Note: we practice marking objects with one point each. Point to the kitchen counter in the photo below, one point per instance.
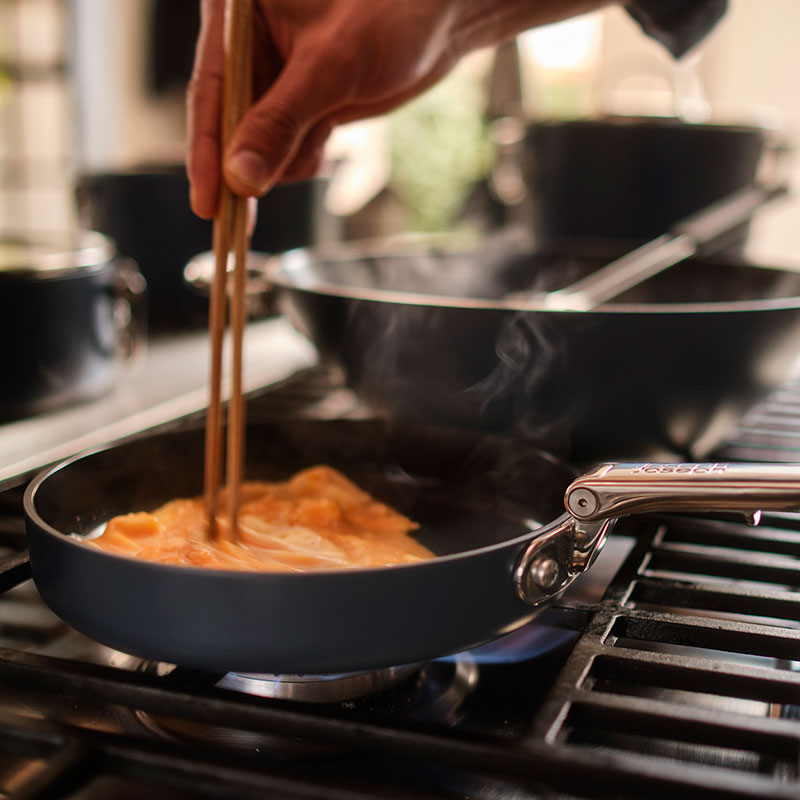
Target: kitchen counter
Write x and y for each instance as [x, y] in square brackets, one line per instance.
[168, 383]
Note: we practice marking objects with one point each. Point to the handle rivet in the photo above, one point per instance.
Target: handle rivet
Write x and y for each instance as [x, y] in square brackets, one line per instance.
[544, 572]
[582, 502]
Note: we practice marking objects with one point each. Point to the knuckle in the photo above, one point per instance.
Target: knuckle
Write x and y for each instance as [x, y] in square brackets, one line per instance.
[202, 87]
[281, 119]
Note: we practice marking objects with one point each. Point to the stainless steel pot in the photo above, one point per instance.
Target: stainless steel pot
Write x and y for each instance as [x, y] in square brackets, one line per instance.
[71, 312]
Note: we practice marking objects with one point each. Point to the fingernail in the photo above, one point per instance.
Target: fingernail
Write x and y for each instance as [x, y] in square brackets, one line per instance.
[250, 169]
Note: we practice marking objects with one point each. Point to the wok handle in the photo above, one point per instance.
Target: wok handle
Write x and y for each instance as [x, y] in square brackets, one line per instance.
[684, 240]
[616, 490]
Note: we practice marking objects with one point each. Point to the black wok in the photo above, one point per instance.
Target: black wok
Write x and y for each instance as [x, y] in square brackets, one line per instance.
[436, 336]
[491, 510]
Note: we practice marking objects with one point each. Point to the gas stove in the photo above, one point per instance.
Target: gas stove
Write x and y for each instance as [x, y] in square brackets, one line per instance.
[671, 667]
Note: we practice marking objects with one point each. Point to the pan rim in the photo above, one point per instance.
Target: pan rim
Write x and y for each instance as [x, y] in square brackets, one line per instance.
[284, 279]
[33, 516]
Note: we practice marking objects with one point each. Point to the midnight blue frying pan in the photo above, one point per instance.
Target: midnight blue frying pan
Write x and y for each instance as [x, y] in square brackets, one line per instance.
[491, 509]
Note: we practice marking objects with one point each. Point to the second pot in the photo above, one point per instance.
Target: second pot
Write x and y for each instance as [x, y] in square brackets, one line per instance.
[71, 311]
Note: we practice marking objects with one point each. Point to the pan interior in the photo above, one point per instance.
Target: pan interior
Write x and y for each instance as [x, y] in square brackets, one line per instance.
[465, 490]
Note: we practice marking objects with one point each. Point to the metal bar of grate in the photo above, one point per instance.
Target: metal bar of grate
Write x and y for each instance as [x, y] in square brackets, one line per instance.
[74, 757]
[666, 720]
[636, 668]
[651, 682]
[62, 773]
[770, 431]
[731, 598]
[765, 538]
[14, 570]
[538, 763]
[543, 766]
[742, 566]
[710, 634]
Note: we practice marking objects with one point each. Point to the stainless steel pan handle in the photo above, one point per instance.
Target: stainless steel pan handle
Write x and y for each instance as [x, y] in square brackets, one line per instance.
[552, 561]
[595, 500]
[616, 490]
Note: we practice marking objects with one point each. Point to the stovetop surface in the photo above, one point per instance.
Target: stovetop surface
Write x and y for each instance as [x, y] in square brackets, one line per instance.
[673, 671]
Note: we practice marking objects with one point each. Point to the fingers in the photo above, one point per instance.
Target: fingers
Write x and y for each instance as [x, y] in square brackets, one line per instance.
[204, 99]
[307, 161]
[252, 215]
[282, 138]
[268, 139]
[285, 126]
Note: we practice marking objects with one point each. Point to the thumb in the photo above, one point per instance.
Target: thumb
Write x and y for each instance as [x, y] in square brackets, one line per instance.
[269, 135]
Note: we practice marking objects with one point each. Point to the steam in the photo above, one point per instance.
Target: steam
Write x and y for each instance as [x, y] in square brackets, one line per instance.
[529, 379]
[487, 368]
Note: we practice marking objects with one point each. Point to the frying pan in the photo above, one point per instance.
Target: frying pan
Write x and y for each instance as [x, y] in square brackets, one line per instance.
[436, 333]
[490, 508]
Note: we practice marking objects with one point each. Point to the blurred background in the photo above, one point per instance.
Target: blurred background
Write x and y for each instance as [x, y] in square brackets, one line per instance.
[90, 88]
[586, 137]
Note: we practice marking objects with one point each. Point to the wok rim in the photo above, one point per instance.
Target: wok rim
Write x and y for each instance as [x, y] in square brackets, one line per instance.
[281, 271]
[32, 515]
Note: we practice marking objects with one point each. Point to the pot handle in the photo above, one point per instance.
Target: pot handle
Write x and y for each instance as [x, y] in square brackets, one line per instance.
[198, 274]
[129, 292]
[616, 490]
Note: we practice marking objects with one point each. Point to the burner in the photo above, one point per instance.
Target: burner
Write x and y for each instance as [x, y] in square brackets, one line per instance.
[436, 691]
[328, 688]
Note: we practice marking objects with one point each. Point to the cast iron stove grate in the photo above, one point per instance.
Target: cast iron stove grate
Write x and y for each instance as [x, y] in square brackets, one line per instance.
[681, 681]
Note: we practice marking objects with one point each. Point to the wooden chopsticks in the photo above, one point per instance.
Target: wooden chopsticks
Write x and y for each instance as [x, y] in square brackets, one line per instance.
[230, 234]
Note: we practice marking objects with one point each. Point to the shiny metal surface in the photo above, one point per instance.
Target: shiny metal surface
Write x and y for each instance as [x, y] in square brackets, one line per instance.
[57, 255]
[614, 490]
[463, 273]
[683, 241]
[199, 274]
[593, 501]
[554, 559]
[431, 336]
[329, 688]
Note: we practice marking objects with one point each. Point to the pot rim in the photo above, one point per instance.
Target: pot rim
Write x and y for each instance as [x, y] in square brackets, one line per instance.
[657, 122]
[54, 254]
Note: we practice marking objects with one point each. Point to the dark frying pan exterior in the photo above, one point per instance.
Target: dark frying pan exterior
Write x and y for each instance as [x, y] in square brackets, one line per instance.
[296, 623]
[314, 622]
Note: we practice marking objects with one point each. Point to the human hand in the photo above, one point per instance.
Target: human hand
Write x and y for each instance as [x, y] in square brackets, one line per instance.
[320, 63]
